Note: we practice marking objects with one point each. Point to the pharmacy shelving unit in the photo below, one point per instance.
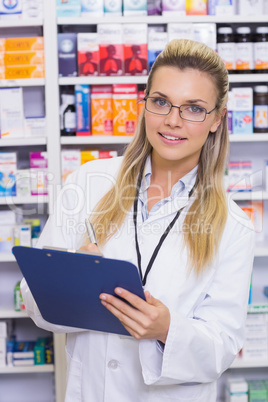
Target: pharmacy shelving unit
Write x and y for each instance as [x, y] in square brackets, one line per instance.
[50, 378]
[54, 142]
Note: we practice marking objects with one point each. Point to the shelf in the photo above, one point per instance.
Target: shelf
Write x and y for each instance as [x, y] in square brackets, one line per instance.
[248, 77]
[42, 368]
[248, 137]
[123, 79]
[238, 363]
[30, 82]
[248, 195]
[7, 257]
[34, 199]
[31, 22]
[162, 19]
[257, 308]
[96, 139]
[10, 313]
[261, 249]
[22, 142]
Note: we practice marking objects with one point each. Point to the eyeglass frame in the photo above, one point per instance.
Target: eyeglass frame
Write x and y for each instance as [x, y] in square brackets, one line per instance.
[178, 107]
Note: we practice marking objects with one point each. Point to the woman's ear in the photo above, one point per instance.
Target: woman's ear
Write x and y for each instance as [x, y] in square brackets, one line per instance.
[218, 120]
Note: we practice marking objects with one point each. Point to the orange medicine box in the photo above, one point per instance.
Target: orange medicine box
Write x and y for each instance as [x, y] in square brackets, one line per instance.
[21, 72]
[124, 109]
[24, 44]
[101, 110]
[21, 58]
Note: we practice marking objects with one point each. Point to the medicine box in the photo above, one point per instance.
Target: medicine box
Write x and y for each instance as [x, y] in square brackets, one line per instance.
[113, 8]
[174, 8]
[134, 7]
[101, 110]
[10, 9]
[135, 49]
[236, 390]
[11, 113]
[22, 58]
[24, 44]
[82, 106]
[180, 31]
[68, 8]
[206, 33]
[70, 161]
[156, 43]
[242, 104]
[221, 7]
[22, 235]
[90, 155]
[111, 49]
[23, 183]
[6, 238]
[32, 9]
[8, 168]
[196, 7]
[249, 7]
[88, 54]
[35, 127]
[91, 8]
[38, 166]
[124, 109]
[67, 54]
[23, 72]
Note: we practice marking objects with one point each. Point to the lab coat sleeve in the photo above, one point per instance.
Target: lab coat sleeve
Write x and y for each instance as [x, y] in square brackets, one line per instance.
[200, 348]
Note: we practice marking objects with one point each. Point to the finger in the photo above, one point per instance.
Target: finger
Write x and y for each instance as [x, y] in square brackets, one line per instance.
[91, 247]
[121, 306]
[133, 299]
[132, 326]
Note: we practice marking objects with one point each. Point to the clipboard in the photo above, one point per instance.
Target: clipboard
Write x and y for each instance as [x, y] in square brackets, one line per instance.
[66, 286]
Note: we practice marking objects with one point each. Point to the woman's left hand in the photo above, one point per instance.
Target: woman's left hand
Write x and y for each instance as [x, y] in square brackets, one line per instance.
[148, 319]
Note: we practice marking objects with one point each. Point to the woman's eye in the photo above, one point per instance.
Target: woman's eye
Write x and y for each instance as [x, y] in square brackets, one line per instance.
[195, 109]
[160, 102]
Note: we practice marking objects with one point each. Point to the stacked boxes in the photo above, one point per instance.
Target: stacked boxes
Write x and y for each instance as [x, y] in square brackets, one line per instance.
[124, 109]
[22, 58]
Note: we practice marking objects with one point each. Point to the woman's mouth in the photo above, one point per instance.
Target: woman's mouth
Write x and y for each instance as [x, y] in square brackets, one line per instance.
[172, 138]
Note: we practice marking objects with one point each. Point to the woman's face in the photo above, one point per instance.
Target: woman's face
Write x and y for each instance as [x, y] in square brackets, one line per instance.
[174, 139]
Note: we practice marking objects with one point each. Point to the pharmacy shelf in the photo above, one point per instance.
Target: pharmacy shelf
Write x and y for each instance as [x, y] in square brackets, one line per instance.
[248, 195]
[162, 19]
[22, 142]
[257, 309]
[40, 368]
[13, 23]
[96, 139]
[239, 363]
[7, 257]
[248, 78]
[123, 79]
[9, 313]
[34, 199]
[249, 137]
[27, 82]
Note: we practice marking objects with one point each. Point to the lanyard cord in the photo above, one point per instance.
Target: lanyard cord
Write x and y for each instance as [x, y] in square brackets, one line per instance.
[162, 238]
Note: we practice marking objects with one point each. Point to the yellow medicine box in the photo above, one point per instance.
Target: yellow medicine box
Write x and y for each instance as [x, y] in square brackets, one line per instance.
[22, 58]
[24, 44]
[21, 72]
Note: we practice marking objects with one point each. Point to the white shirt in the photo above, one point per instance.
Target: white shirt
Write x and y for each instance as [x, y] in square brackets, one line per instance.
[207, 313]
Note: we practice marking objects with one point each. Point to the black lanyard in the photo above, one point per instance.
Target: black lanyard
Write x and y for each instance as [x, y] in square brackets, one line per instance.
[162, 238]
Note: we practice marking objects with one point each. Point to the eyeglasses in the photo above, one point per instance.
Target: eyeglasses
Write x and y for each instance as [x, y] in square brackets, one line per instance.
[187, 112]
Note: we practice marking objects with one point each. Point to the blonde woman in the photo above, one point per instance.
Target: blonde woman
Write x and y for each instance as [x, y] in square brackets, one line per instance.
[162, 207]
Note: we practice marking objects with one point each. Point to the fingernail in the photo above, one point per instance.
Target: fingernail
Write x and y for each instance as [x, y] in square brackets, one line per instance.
[103, 303]
[103, 297]
[118, 291]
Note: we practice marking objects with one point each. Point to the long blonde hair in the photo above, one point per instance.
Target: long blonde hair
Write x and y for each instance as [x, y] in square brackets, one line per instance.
[208, 212]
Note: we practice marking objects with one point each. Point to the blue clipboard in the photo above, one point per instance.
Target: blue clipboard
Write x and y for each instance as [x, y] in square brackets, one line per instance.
[66, 286]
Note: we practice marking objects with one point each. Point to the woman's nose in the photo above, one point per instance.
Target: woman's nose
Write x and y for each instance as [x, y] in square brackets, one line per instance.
[174, 119]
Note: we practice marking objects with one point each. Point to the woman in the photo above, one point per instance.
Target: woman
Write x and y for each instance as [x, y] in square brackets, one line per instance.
[163, 207]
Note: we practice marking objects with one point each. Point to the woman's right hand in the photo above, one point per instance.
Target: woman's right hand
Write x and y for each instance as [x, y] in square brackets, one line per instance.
[91, 248]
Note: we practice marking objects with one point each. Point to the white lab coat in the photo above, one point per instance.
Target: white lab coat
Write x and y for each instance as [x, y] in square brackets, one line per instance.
[207, 313]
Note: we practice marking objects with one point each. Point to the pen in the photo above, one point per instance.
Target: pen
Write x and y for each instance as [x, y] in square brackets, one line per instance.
[90, 232]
